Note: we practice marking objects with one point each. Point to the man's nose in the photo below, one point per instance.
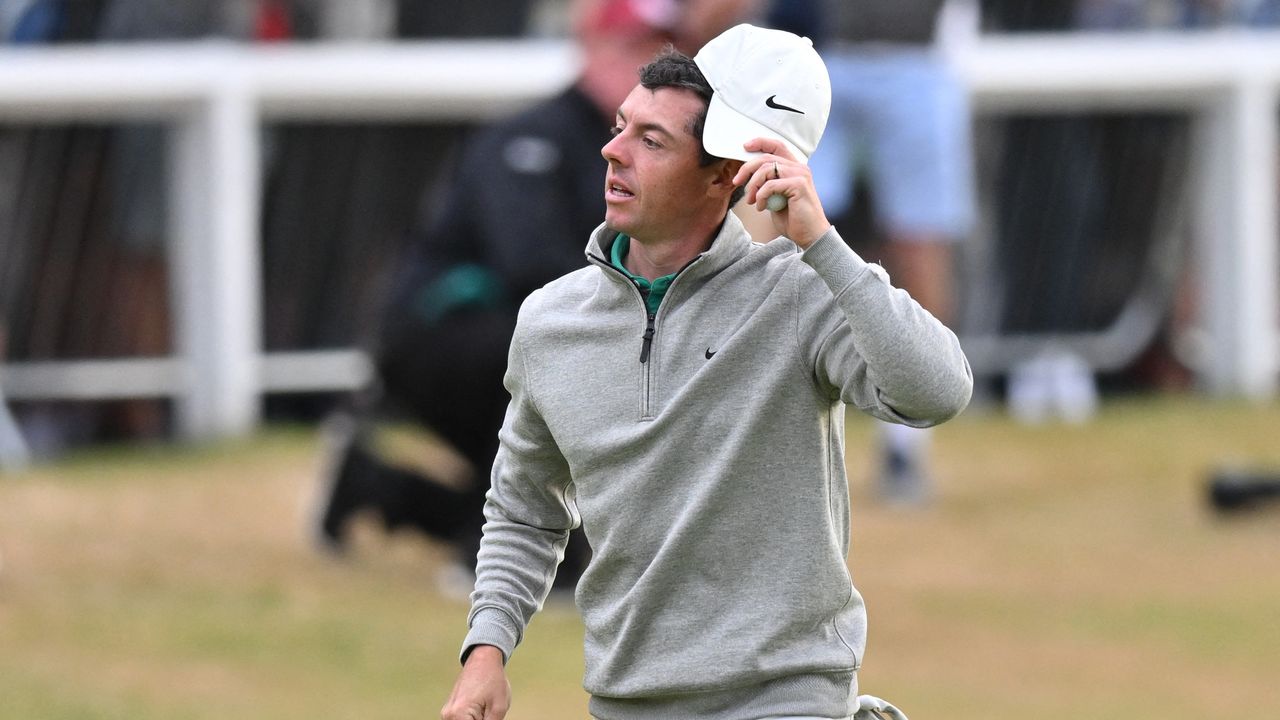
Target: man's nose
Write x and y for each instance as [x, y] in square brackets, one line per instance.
[612, 150]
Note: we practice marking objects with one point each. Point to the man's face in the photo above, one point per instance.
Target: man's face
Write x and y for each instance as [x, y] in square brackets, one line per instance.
[655, 189]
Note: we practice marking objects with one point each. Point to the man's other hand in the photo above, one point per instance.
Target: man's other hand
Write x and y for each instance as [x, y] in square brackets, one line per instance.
[482, 691]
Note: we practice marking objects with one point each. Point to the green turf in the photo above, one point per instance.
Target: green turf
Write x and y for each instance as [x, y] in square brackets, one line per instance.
[1063, 572]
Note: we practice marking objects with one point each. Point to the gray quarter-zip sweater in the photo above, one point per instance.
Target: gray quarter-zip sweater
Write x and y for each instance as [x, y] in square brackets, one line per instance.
[709, 477]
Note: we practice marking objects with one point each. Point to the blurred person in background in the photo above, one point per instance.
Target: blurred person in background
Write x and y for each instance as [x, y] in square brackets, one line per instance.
[341, 197]
[701, 20]
[527, 190]
[900, 131]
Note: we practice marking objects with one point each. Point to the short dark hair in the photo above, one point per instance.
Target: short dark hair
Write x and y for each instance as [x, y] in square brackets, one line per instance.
[673, 69]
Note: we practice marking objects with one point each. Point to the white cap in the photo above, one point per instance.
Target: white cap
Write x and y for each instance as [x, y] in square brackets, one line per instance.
[767, 83]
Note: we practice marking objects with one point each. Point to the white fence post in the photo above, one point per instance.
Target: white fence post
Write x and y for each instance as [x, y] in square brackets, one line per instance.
[1237, 241]
[216, 262]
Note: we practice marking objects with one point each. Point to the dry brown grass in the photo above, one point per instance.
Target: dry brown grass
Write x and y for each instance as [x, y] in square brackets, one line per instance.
[1062, 573]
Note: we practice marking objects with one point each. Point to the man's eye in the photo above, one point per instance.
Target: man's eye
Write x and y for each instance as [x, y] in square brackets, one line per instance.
[651, 143]
[615, 131]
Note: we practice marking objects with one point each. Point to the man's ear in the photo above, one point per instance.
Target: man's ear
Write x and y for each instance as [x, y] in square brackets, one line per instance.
[722, 182]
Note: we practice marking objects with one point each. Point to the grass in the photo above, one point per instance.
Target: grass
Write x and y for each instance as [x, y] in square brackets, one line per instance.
[1063, 572]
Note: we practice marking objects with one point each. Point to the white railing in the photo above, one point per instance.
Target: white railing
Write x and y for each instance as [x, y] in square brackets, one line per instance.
[1229, 81]
[216, 95]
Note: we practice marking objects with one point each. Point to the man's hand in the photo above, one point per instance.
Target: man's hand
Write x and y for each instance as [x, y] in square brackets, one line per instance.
[482, 691]
[775, 172]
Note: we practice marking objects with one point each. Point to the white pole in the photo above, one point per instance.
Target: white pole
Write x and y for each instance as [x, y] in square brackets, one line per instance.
[216, 263]
[1237, 237]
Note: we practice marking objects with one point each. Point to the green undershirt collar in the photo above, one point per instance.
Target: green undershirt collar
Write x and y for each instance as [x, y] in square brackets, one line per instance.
[654, 290]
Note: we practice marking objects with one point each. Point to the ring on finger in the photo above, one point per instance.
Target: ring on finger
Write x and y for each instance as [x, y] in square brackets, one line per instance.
[776, 176]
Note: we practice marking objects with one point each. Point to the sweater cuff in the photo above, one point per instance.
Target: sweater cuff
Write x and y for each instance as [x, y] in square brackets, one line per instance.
[834, 261]
[491, 626]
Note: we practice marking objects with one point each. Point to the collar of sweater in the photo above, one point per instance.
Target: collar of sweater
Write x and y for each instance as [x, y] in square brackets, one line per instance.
[731, 243]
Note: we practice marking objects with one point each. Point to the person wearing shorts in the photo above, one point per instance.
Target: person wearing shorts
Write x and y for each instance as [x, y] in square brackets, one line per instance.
[900, 123]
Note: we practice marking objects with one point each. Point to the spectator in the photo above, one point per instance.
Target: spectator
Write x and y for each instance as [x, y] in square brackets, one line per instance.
[702, 20]
[900, 123]
[527, 191]
[340, 198]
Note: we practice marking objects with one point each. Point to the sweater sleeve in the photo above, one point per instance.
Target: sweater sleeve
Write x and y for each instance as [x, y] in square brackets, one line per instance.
[875, 347]
[529, 512]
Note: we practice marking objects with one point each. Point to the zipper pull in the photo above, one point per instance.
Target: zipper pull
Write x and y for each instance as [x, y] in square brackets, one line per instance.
[648, 340]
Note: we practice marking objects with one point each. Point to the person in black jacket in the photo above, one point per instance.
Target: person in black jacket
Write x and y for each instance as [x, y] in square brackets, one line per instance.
[525, 193]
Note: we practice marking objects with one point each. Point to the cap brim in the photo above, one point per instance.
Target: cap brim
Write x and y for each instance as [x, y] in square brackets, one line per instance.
[726, 131]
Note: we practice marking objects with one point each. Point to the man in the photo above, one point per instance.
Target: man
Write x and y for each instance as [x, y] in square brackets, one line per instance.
[683, 398]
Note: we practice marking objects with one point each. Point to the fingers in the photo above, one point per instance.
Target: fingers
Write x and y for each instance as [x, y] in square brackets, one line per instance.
[474, 712]
[776, 172]
[482, 691]
[769, 146]
[773, 171]
[767, 175]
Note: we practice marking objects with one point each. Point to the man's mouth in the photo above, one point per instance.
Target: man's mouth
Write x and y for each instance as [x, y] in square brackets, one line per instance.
[616, 190]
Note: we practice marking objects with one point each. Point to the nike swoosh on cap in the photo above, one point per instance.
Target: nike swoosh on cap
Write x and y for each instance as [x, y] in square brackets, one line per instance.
[710, 353]
[778, 106]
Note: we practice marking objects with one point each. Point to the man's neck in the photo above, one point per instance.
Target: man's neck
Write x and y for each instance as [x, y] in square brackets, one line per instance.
[652, 259]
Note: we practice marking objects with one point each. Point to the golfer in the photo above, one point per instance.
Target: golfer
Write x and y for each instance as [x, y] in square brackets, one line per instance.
[683, 398]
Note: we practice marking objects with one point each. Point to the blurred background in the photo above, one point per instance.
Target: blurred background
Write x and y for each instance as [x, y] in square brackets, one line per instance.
[203, 208]
[1115, 242]
[1101, 245]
